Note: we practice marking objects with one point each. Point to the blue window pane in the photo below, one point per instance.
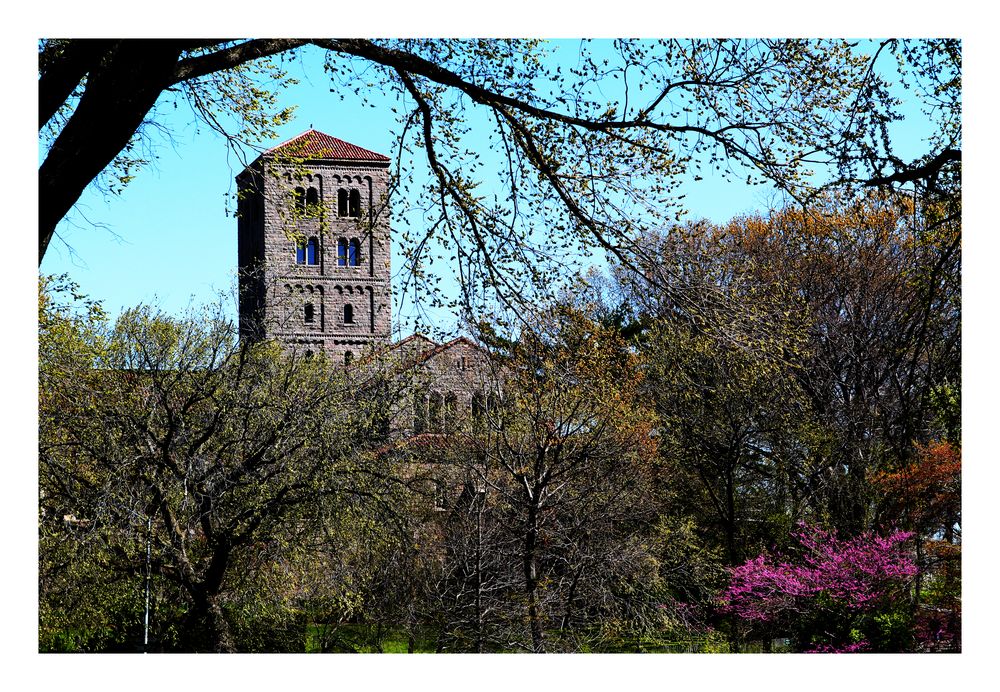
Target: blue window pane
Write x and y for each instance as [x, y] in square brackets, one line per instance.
[342, 252]
[300, 254]
[311, 251]
[352, 258]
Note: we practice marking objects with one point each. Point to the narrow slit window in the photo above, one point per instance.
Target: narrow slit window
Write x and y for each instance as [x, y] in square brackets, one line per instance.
[354, 252]
[493, 411]
[342, 252]
[348, 314]
[440, 495]
[300, 200]
[355, 207]
[419, 412]
[434, 412]
[312, 256]
[478, 408]
[300, 252]
[341, 202]
[450, 412]
[308, 313]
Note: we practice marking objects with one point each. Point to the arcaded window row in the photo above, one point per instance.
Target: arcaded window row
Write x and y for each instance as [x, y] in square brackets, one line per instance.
[435, 412]
[306, 201]
[348, 357]
[348, 252]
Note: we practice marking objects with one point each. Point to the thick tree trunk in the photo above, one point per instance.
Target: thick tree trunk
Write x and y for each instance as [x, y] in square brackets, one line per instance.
[206, 629]
[120, 92]
[221, 637]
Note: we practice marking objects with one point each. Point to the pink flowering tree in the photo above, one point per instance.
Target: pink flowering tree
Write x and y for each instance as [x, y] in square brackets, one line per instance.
[831, 594]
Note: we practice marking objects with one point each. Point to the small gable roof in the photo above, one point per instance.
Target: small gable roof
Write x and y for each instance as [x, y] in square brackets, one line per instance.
[421, 349]
[415, 340]
[441, 348]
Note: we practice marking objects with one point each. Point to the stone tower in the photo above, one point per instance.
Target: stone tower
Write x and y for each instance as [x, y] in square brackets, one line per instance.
[314, 247]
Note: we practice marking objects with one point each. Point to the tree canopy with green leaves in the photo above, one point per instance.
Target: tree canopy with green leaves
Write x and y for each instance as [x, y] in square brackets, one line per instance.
[585, 152]
[169, 447]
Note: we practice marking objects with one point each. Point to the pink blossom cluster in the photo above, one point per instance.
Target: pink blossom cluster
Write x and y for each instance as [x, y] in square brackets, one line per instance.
[856, 573]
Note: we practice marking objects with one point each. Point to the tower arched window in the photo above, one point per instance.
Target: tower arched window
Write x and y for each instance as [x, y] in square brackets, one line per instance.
[308, 313]
[299, 196]
[355, 206]
[348, 314]
[354, 252]
[493, 410]
[341, 202]
[312, 200]
[312, 251]
[348, 359]
[342, 252]
[300, 252]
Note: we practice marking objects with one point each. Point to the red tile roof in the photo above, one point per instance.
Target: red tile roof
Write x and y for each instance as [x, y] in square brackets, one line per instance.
[417, 338]
[313, 144]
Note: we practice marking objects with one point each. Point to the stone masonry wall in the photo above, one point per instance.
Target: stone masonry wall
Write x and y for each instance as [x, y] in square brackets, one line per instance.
[286, 287]
[445, 382]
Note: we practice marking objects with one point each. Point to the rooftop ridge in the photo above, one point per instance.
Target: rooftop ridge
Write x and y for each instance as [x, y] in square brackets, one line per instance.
[313, 144]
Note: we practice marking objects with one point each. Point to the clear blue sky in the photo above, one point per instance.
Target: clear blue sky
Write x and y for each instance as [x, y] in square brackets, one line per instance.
[168, 239]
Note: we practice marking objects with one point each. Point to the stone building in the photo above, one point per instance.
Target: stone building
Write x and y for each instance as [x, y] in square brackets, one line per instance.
[314, 254]
[314, 267]
[450, 384]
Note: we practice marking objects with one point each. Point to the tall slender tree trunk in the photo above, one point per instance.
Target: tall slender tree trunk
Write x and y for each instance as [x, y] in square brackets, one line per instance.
[530, 566]
[479, 578]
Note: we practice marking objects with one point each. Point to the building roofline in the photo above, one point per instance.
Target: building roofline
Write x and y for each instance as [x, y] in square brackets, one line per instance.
[361, 155]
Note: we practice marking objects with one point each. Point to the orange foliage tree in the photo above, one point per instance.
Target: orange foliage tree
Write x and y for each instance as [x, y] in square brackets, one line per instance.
[926, 497]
